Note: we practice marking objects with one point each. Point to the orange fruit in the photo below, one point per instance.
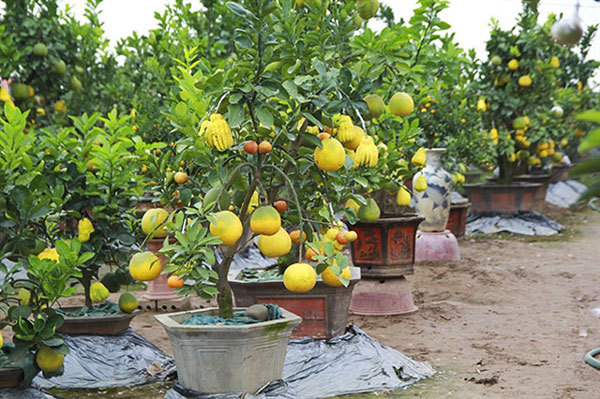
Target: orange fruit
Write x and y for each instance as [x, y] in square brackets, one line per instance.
[180, 177]
[265, 147]
[251, 147]
[295, 236]
[280, 205]
[174, 281]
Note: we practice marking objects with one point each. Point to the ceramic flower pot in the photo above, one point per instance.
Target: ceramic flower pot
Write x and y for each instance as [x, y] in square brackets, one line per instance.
[228, 358]
[434, 202]
[324, 310]
[504, 199]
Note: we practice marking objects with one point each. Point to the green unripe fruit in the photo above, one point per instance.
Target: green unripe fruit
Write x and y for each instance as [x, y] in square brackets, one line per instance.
[40, 50]
[60, 67]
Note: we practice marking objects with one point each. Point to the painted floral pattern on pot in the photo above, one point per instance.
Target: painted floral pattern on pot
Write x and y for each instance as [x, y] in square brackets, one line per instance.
[434, 203]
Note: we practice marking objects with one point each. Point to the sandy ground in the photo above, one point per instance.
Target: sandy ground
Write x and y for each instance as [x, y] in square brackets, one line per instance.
[513, 319]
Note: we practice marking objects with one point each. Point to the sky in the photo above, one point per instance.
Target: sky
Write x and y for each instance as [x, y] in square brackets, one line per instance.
[469, 19]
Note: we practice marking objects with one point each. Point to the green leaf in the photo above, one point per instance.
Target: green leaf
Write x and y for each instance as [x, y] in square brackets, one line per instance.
[311, 138]
[590, 116]
[591, 140]
[181, 109]
[586, 166]
[264, 116]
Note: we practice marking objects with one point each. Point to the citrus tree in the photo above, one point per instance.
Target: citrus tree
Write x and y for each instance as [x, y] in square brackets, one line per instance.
[92, 171]
[517, 87]
[260, 157]
[56, 63]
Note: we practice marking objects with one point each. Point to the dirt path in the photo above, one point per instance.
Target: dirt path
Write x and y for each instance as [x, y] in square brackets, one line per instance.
[510, 320]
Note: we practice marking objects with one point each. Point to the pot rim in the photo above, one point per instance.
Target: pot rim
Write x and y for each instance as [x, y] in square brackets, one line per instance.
[437, 149]
[85, 319]
[502, 186]
[355, 276]
[408, 217]
[166, 320]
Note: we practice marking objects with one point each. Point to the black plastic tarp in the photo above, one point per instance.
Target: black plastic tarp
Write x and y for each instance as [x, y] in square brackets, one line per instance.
[526, 223]
[104, 361]
[350, 363]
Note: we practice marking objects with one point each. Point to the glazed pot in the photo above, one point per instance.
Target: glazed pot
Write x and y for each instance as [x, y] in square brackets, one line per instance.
[10, 376]
[434, 203]
[542, 179]
[457, 221]
[96, 325]
[324, 310]
[385, 248]
[228, 358]
[504, 199]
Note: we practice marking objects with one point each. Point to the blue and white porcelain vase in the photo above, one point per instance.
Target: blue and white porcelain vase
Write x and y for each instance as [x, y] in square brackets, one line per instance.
[434, 203]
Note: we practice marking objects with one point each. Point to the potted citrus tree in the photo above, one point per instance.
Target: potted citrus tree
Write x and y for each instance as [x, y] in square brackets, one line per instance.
[94, 182]
[517, 89]
[269, 174]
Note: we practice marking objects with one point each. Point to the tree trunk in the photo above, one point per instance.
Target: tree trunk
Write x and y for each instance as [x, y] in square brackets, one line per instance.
[86, 281]
[505, 176]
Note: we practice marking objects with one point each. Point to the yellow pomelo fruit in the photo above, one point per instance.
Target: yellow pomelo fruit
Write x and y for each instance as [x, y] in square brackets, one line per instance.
[420, 183]
[358, 136]
[265, 220]
[1, 340]
[299, 277]
[48, 360]
[375, 104]
[153, 220]
[228, 227]
[403, 197]
[144, 266]
[519, 123]
[554, 62]
[513, 64]
[331, 157]
[275, 245]
[128, 302]
[332, 280]
[525, 81]
[401, 104]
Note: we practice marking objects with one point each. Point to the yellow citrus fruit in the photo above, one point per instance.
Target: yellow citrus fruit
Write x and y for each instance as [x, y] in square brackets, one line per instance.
[353, 205]
[420, 157]
[49, 253]
[332, 280]
[331, 157]
[48, 360]
[401, 104]
[299, 277]
[153, 220]
[174, 281]
[265, 220]
[403, 197]
[180, 177]
[358, 136]
[98, 292]
[513, 64]
[420, 184]
[376, 106]
[275, 245]
[1, 340]
[144, 266]
[128, 302]
[227, 226]
[525, 81]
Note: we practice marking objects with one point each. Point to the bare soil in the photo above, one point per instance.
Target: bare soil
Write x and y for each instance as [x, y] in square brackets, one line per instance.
[513, 319]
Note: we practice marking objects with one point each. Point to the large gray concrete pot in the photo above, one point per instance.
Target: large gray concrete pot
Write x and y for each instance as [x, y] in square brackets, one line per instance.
[222, 359]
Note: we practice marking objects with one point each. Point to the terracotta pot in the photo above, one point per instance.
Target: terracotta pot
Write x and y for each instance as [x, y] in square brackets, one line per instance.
[434, 202]
[506, 199]
[324, 309]
[559, 173]
[386, 248]
[457, 221]
[10, 376]
[158, 290]
[103, 325]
